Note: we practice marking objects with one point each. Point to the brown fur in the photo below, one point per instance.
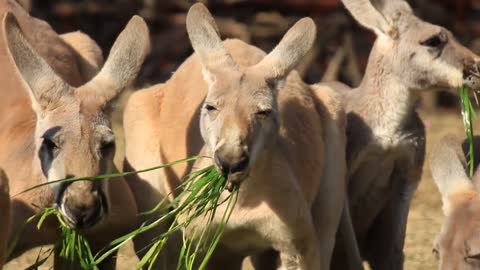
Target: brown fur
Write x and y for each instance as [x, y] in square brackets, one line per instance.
[292, 188]
[44, 92]
[89, 54]
[385, 136]
[5, 214]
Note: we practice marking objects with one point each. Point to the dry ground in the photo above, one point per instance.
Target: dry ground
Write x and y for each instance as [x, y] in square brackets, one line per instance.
[423, 223]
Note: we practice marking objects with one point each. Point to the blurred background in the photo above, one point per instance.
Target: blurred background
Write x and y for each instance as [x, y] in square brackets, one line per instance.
[340, 53]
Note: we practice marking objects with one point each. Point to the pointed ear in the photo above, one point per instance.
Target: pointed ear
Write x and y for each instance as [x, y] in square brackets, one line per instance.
[205, 40]
[123, 64]
[370, 17]
[448, 167]
[288, 53]
[44, 85]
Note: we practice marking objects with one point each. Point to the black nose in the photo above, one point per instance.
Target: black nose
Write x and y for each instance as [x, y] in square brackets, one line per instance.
[239, 166]
[86, 217]
[228, 167]
[224, 166]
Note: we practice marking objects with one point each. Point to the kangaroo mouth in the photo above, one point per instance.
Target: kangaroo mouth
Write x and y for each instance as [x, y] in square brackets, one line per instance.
[80, 217]
[471, 79]
[234, 179]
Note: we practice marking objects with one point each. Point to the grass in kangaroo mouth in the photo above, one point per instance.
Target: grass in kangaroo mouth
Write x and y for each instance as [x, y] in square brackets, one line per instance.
[199, 199]
[468, 113]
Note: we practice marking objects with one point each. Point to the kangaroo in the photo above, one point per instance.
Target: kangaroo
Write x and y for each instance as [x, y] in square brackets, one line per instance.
[5, 213]
[385, 136]
[457, 246]
[263, 127]
[55, 124]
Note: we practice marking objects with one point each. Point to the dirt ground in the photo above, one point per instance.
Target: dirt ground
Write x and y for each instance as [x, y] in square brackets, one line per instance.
[424, 220]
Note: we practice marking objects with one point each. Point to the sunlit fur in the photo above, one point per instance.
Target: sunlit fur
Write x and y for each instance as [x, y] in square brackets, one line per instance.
[55, 123]
[385, 136]
[229, 101]
[457, 246]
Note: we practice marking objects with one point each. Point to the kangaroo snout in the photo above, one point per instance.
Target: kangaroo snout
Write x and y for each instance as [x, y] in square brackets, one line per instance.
[83, 204]
[471, 75]
[232, 164]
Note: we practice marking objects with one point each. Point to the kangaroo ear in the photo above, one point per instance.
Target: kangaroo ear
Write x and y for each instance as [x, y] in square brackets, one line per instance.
[124, 62]
[379, 16]
[43, 84]
[289, 52]
[205, 40]
[448, 165]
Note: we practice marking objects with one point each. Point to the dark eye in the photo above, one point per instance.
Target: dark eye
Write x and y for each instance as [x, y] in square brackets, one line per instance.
[435, 41]
[47, 153]
[264, 113]
[210, 107]
[48, 144]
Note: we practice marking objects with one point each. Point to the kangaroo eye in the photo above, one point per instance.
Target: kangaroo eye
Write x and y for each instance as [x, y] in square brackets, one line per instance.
[435, 41]
[264, 113]
[49, 144]
[210, 107]
[47, 153]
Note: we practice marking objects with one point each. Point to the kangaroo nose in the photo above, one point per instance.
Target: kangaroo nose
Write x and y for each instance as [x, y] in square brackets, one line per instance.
[222, 164]
[240, 166]
[231, 165]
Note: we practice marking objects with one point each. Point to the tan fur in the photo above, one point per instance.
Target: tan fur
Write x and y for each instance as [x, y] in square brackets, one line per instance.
[44, 96]
[457, 246]
[90, 55]
[5, 215]
[292, 184]
[385, 136]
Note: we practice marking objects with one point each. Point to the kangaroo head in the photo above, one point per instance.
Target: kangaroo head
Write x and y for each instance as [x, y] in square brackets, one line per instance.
[239, 116]
[457, 246]
[73, 135]
[415, 53]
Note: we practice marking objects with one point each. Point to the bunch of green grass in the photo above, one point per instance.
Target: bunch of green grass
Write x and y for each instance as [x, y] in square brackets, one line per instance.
[200, 197]
[205, 241]
[73, 246]
[468, 113]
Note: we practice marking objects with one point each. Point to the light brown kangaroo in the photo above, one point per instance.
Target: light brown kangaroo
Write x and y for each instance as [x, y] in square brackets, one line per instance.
[5, 216]
[55, 124]
[263, 127]
[385, 136]
[457, 246]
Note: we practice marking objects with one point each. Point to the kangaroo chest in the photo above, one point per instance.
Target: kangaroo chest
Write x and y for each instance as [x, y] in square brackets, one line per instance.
[374, 162]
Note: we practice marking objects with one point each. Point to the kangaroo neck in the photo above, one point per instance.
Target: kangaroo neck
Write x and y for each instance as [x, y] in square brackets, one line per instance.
[383, 100]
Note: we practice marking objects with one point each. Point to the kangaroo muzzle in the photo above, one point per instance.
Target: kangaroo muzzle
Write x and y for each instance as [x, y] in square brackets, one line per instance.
[234, 165]
[471, 75]
[83, 204]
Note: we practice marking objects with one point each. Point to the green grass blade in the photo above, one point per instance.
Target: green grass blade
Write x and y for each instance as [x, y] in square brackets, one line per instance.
[110, 175]
[467, 113]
